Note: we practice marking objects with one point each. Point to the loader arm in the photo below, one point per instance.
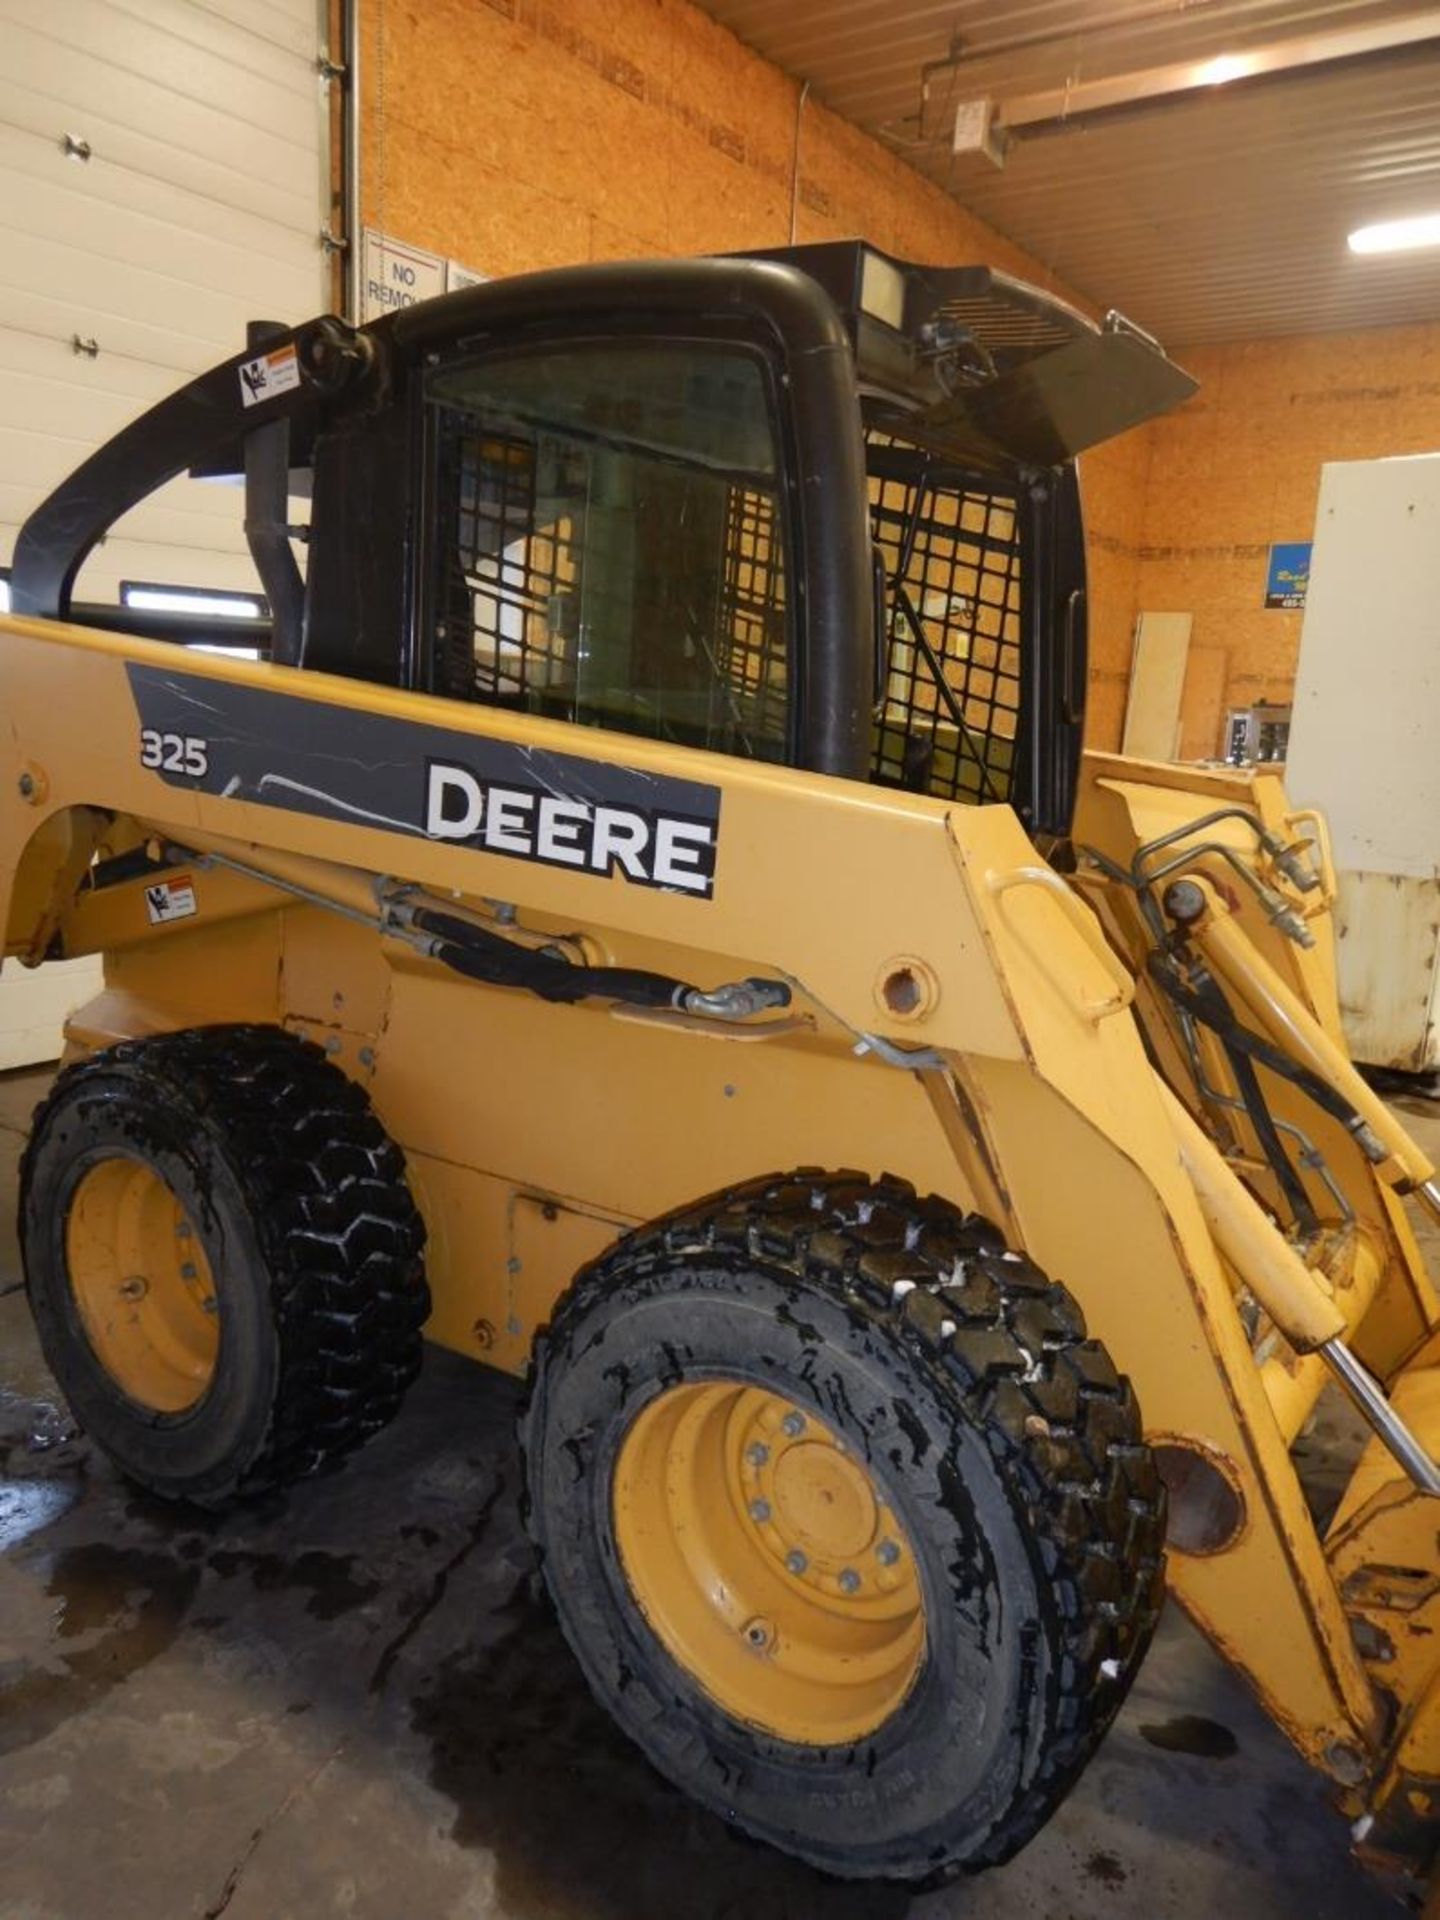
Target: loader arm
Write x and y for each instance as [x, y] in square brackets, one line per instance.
[1221, 895]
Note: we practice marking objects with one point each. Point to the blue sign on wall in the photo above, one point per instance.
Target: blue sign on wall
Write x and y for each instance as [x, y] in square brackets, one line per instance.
[1289, 574]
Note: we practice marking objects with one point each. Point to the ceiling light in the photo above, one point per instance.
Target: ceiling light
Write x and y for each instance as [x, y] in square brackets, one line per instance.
[1226, 66]
[1398, 236]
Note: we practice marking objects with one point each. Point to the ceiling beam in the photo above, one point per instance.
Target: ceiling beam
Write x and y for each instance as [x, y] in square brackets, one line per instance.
[1157, 84]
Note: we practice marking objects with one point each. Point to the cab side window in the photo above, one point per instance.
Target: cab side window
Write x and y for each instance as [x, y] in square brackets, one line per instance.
[607, 542]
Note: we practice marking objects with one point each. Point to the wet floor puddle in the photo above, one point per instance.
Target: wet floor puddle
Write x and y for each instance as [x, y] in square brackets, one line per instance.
[580, 1826]
[120, 1606]
[28, 1505]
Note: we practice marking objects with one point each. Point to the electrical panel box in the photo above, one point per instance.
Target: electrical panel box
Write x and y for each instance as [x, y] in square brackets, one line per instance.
[1365, 745]
[1258, 735]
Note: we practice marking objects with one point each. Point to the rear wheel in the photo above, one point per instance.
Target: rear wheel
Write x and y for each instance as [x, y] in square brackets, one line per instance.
[142, 1284]
[222, 1258]
[850, 1526]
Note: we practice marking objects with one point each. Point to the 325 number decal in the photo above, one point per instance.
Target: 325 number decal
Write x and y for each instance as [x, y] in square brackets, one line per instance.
[174, 753]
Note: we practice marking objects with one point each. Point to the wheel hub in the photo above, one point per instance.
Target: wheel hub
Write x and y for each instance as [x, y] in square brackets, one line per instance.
[142, 1284]
[814, 1508]
[766, 1559]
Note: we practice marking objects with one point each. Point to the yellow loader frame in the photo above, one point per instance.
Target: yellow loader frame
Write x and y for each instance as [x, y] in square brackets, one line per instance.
[962, 1014]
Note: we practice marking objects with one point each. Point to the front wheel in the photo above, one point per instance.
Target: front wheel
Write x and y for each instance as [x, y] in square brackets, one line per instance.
[850, 1526]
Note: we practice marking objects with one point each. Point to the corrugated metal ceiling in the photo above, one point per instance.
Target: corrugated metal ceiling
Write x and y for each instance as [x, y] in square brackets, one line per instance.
[1215, 216]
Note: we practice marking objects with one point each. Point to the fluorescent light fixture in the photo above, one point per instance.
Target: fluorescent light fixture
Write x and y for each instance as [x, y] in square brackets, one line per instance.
[230, 653]
[4, 596]
[1398, 236]
[227, 606]
[1225, 66]
[191, 600]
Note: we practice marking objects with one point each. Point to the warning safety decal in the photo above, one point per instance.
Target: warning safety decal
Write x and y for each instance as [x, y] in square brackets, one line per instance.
[269, 374]
[170, 900]
[435, 783]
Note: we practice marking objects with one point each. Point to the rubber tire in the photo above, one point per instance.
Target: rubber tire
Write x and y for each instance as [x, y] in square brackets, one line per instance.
[1006, 1443]
[300, 1200]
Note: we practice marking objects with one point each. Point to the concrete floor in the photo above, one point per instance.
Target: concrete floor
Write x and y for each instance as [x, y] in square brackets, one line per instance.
[352, 1704]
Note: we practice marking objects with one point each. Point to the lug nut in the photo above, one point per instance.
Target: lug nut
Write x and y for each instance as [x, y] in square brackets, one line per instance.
[849, 1581]
[758, 1633]
[135, 1288]
[757, 1453]
[794, 1424]
[187, 1270]
[796, 1561]
[760, 1510]
[887, 1553]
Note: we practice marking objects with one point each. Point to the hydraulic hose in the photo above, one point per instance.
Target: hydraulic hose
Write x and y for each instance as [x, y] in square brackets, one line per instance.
[473, 950]
[1216, 933]
[1212, 1010]
[1203, 1000]
[481, 955]
[1289, 1182]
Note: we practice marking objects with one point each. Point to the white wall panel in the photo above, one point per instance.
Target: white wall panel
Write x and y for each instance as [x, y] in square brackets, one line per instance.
[156, 147]
[1363, 743]
[199, 209]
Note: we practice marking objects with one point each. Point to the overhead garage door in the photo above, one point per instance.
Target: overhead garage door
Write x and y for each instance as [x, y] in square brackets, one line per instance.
[162, 181]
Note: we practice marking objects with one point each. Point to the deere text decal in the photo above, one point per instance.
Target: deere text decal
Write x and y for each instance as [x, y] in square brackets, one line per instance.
[429, 782]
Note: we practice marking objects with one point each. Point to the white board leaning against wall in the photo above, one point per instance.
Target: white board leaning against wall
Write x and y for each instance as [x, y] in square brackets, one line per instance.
[1363, 745]
[1157, 681]
[163, 175]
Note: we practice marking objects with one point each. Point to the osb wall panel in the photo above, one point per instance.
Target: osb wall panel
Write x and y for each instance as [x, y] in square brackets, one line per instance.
[1114, 482]
[1239, 467]
[515, 134]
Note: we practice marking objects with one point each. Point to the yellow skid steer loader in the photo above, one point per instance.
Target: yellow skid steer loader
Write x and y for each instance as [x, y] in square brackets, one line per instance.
[645, 921]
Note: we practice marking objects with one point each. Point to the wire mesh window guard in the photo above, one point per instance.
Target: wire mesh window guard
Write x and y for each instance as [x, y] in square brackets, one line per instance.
[949, 717]
[610, 546]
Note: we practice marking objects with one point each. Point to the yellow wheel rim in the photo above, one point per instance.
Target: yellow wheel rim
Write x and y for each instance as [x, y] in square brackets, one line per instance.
[143, 1285]
[767, 1562]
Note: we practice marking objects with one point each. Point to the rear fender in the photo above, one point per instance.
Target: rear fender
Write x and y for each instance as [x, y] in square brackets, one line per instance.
[52, 864]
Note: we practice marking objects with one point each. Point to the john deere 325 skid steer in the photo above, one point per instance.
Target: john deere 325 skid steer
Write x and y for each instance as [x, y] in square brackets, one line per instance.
[645, 922]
